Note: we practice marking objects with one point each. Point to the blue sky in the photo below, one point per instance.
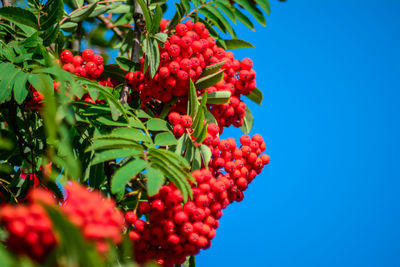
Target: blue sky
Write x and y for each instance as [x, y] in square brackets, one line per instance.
[329, 71]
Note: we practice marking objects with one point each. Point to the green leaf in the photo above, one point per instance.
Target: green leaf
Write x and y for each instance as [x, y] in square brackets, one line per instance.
[193, 101]
[157, 125]
[247, 122]
[53, 12]
[6, 84]
[124, 174]
[227, 10]
[220, 97]
[186, 5]
[264, 4]
[131, 134]
[155, 25]
[102, 144]
[32, 41]
[237, 43]
[69, 26]
[221, 18]
[196, 165]
[20, 90]
[205, 152]
[176, 18]
[209, 117]
[114, 72]
[50, 35]
[146, 13]
[161, 37]
[210, 80]
[256, 96]
[107, 155]
[125, 63]
[212, 69]
[155, 179]
[40, 82]
[19, 15]
[213, 18]
[244, 19]
[150, 48]
[253, 10]
[82, 14]
[165, 139]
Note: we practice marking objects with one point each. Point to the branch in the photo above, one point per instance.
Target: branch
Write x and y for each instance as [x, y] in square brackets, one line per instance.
[111, 26]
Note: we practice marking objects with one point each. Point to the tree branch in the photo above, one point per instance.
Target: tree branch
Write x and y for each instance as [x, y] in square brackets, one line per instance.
[111, 26]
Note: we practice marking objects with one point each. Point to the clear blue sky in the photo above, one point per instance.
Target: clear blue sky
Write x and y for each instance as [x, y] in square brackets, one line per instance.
[330, 75]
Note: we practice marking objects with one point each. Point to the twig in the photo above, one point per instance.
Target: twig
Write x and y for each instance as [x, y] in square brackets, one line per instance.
[111, 26]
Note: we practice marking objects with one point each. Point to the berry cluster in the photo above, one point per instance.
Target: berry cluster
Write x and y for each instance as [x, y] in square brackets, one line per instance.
[37, 98]
[184, 56]
[240, 165]
[89, 65]
[174, 230]
[95, 215]
[30, 231]
[180, 123]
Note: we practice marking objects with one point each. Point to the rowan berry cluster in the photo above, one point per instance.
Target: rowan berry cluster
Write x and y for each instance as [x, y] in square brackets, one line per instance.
[89, 65]
[95, 215]
[175, 230]
[30, 231]
[240, 165]
[185, 55]
[180, 123]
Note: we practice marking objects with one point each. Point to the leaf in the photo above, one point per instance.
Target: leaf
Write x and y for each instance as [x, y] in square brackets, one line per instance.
[150, 48]
[176, 18]
[6, 84]
[125, 63]
[221, 18]
[50, 35]
[237, 43]
[227, 10]
[53, 12]
[244, 19]
[196, 165]
[256, 96]
[193, 101]
[205, 152]
[124, 174]
[111, 154]
[210, 80]
[130, 134]
[253, 10]
[220, 97]
[146, 13]
[69, 26]
[20, 91]
[247, 122]
[19, 15]
[40, 82]
[102, 144]
[161, 37]
[165, 139]
[264, 4]
[212, 69]
[114, 72]
[155, 179]
[211, 17]
[82, 14]
[155, 25]
[157, 125]
[209, 117]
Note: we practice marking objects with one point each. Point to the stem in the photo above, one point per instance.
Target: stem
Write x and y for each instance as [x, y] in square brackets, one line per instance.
[111, 26]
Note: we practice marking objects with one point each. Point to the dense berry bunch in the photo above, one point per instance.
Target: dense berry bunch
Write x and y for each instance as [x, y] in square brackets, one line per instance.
[180, 123]
[175, 230]
[240, 165]
[89, 65]
[29, 229]
[185, 55]
[94, 214]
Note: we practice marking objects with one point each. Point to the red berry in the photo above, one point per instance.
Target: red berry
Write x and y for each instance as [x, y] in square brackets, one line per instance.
[88, 54]
[178, 130]
[186, 121]
[66, 56]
